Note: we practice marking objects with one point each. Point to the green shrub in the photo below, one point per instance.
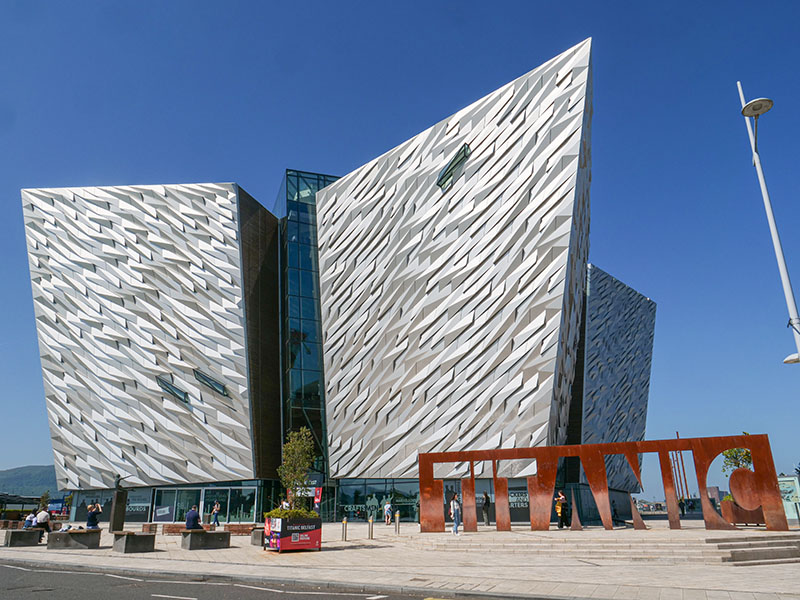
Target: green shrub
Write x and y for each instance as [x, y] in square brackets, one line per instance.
[291, 513]
[727, 497]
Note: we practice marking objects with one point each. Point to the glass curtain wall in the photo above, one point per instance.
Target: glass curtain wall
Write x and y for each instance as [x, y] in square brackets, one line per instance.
[360, 499]
[304, 401]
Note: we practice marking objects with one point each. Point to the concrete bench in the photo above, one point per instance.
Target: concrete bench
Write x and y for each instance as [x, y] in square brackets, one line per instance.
[81, 539]
[240, 528]
[132, 541]
[178, 528]
[23, 537]
[257, 536]
[199, 539]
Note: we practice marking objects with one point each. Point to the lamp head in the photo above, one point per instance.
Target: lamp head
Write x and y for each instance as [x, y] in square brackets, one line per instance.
[757, 107]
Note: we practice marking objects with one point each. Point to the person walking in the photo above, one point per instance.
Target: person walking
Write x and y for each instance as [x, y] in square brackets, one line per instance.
[682, 506]
[92, 515]
[561, 509]
[387, 512]
[215, 514]
[487, 504]
[455, 513]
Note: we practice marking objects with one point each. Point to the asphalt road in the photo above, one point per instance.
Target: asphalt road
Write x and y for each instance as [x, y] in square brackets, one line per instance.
[17, 583]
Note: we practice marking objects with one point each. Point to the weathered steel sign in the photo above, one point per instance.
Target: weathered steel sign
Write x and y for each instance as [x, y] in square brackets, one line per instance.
[750, 489]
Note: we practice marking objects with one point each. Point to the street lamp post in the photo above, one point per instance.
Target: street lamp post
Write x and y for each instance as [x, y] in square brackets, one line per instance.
[754, 109]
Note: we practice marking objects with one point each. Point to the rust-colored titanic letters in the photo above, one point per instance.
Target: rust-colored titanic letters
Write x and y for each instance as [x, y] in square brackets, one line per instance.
[750, 489]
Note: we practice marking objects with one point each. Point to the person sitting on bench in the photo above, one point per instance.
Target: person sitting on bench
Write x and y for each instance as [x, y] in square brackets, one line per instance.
[193, 519]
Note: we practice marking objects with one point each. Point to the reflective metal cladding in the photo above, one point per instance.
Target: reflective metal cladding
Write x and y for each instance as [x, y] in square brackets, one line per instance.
[452, 320]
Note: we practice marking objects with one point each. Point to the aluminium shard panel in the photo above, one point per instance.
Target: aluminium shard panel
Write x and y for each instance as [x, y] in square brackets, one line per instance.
[451, 315]
[129, 284]
[620, 325]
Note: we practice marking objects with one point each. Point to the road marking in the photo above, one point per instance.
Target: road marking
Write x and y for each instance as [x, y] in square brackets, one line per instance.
[18, 568]
[184, 582]
[175, 597]
[253, 587]
[121, 577]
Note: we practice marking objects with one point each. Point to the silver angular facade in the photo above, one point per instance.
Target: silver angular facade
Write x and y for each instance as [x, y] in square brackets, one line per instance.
[451, 317]
[620, 325]
[131, 285]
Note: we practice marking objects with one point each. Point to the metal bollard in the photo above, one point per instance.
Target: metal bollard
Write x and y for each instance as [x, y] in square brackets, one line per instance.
[344, 529]
[397, 522]
[370, 528]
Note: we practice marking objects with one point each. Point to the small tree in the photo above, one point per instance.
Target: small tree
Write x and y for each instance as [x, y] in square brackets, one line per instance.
[736, 458]
[298, 456]
[797, 470]
[44, 500]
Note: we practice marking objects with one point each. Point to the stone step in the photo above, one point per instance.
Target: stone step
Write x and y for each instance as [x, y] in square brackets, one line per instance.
[754, 538]
[689, 553]
[764, 553]
[744, 545]
[464, 544]
[774, 561]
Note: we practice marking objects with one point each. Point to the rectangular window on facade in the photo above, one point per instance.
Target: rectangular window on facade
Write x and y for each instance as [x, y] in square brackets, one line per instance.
[292, 212]
[449, 173]
[307, 233]
[310, 331]
[309, 308]
[308, 284]
[308, 257]
[311, 356]
[209, 381]
[171, 389]
[293, 231]
[293, 255]
[295, 383]
[311, 384]
[307, 213]
[294, 307]
[293, 278]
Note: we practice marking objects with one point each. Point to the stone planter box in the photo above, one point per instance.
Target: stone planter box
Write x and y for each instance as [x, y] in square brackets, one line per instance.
[198, 539]
[79, 539]
[131, 541]
[23, 537]
[293, 534]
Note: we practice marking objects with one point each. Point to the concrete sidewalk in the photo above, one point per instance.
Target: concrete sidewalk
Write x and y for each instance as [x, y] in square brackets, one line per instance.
[624, 564]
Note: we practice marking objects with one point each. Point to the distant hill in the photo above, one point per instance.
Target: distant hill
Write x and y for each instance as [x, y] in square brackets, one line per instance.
[33, 480]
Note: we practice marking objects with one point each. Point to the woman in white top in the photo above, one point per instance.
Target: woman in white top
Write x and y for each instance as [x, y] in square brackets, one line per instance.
[455, 513]
[30, 520]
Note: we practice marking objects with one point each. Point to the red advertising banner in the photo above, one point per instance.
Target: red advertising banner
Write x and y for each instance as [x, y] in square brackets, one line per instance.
[317, 499]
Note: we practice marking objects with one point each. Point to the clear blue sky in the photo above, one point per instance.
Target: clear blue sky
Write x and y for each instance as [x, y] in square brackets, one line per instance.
[106, 93]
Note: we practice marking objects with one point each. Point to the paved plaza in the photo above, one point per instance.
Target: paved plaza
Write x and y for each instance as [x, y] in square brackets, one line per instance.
[658, 564]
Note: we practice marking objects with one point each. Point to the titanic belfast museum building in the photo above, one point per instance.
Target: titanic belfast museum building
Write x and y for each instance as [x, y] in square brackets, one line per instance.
[438, 298]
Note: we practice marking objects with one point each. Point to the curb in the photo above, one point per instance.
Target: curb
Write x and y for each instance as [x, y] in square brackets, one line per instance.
[307, 583]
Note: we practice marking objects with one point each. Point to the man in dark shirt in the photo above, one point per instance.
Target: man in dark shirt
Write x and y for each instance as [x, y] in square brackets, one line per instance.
[193, 519]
